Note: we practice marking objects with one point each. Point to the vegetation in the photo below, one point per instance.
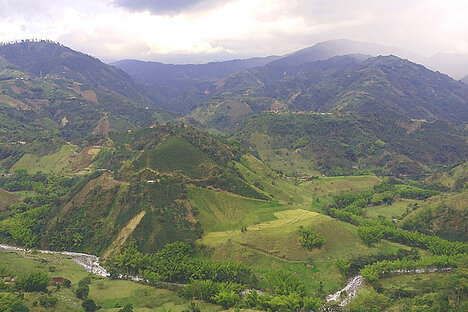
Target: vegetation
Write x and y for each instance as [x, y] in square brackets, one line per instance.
[309, 238]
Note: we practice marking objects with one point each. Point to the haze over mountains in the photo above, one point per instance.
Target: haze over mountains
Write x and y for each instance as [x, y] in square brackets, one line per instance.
[322, 162]
[465, 80]
[72, 96]
[171, 85]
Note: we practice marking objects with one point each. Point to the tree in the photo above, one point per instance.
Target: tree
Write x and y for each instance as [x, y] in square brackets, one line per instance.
[11, 303]
[36, 281]
[370, 235]
[226, 299]
[369, 301]
[89, 305]
[309, 238]
[82, 291]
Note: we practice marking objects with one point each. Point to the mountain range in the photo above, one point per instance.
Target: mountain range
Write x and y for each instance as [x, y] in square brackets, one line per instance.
[51, 93]
[287, 175]
[66, 94]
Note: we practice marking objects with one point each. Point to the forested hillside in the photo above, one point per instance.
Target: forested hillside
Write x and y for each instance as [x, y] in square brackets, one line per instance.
[48, 90]
[282, 181]
[300, 143]
[387, 87]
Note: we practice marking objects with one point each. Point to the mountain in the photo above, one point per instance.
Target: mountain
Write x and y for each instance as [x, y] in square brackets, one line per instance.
[455, 65]
[140, 191]
[303, 143]
[465, 80]
[49, 90]
[180, 87]
[328, 49]
[386, 86]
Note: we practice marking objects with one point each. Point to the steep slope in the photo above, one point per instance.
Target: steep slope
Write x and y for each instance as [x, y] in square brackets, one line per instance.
[181, 87]
[49, 59]
[328, 49]
[50, 93]
[302, 143]
[148, 199]
[388, 87]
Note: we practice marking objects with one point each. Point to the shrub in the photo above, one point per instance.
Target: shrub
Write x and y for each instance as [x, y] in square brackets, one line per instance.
[309, 238]
[36, 281]
[82, 291]
[370, 235]
[127, 308]
[283, 283]
[48, 302]
[89, 305]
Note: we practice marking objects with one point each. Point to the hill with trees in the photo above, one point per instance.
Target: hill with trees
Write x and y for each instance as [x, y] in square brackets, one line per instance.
[387, 87]
[48, 90]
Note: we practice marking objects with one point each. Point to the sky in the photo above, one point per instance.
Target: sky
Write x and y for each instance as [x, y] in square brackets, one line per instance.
[197, 31]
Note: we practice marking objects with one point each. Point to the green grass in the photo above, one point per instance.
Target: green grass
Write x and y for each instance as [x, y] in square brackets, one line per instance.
[275, 245]
[105, 292]
[324, 186]
[395, 210]
[286, 191]
[223, 212]
[176, 154]
[58, 162]
[298, 162]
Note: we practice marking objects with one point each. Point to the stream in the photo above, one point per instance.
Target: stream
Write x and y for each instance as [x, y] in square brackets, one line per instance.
[91, 264]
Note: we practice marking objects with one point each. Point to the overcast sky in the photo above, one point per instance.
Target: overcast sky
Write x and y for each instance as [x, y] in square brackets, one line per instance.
[204, 30]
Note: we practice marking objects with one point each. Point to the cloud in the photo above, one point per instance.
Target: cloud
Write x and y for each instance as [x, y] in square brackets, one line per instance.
[167, 6]
[205, 30]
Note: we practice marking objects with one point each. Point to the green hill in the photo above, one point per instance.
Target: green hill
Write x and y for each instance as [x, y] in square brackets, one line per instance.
[386, 86]
[50, 94]
[301, 144]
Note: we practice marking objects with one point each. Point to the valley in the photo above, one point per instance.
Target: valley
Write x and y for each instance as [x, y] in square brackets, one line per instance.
[264, 184]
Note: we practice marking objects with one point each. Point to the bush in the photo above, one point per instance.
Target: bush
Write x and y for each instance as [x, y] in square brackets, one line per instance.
[283, 283]
[309, 238]
[48, 302]
[82, 291]
[36, 281]
[369, 301]
[89, 305]
[226, 299]
[11, 303]
[127, 308]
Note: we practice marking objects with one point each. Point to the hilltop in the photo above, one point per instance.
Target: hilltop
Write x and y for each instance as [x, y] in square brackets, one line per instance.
[66, 94]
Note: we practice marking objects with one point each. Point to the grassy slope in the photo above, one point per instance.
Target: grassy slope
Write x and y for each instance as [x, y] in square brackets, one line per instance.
[283, 190]
[274, 245]
[323, 187]
[448, 178]
[176, 154]
[7, 198]
[58, 162]
[430, 284]
[105, 292]
[395, 210]
[224, 212]
[297, 161]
